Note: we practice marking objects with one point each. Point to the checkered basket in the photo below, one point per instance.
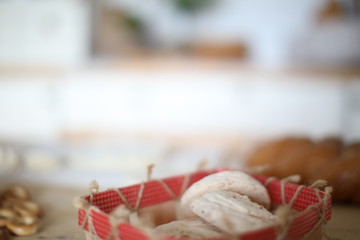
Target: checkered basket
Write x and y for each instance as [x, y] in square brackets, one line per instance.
[312, 207]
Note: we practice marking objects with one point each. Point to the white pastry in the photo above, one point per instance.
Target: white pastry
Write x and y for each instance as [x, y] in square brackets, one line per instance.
[189, 228]
[232, 212]
[234, 181]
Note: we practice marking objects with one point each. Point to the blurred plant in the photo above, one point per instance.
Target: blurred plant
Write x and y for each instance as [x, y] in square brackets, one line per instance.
[192, 6]
[133, 23]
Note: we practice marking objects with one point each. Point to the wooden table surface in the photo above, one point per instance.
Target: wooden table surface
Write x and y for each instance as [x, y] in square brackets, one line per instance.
[60, 220]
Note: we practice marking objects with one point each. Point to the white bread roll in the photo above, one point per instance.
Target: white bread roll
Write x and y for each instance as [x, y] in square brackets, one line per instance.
[234, 181]
[189, 228]
[232, 212]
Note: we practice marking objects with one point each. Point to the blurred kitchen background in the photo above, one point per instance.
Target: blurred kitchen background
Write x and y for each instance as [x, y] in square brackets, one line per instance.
[99, 89]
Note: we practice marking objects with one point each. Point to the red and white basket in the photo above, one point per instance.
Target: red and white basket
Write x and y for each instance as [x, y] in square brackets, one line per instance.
[313, 208]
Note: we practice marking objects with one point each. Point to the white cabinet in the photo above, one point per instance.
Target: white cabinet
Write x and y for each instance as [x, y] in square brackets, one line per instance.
[132, 115]
[44, 32]
[180, 102]
[28, 109]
